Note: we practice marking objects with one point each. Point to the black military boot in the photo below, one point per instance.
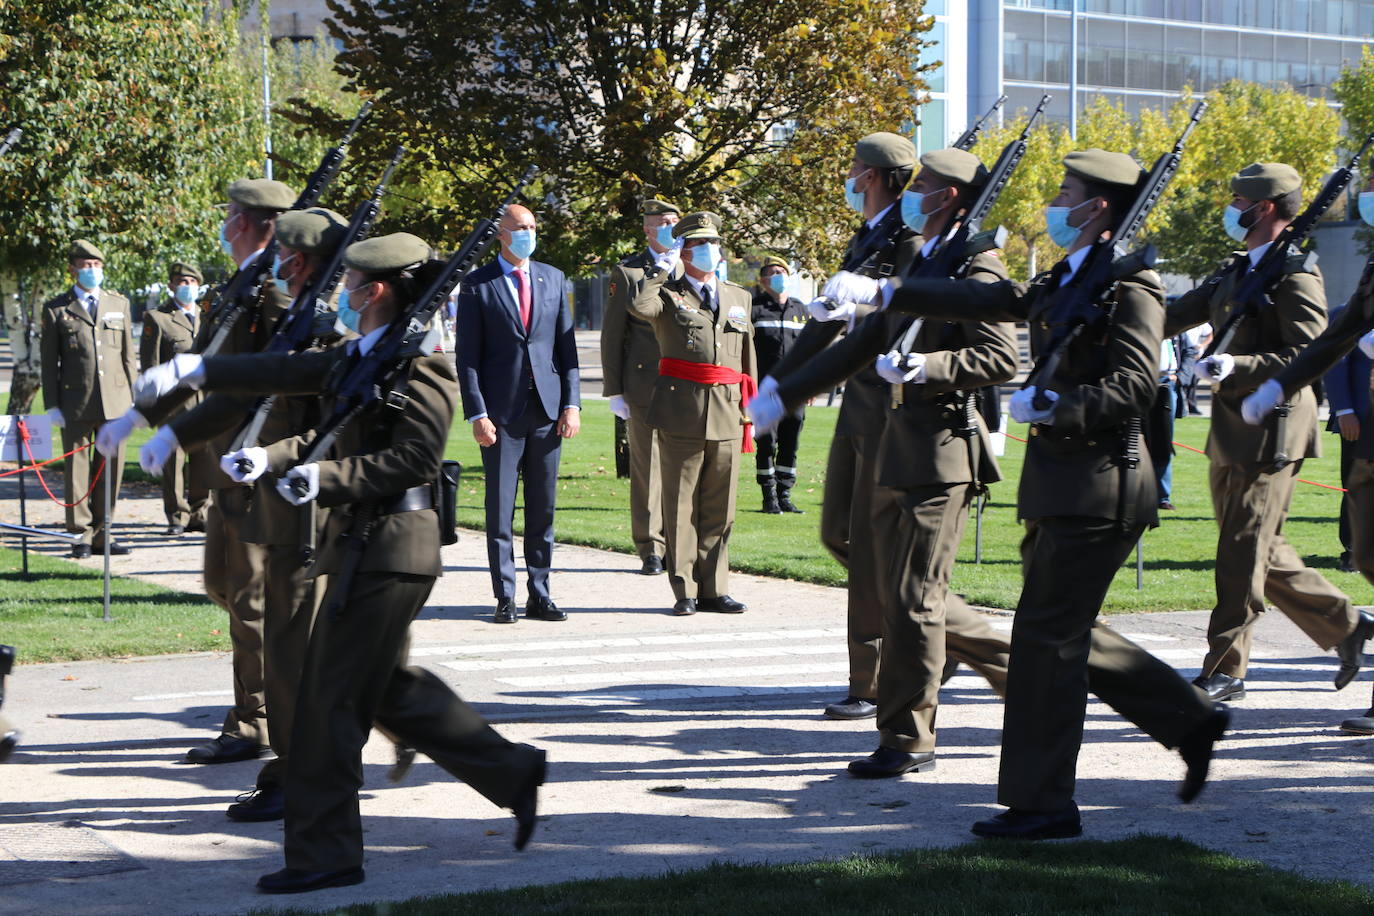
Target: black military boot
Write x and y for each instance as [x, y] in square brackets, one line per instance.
[770, 497]
[785, 499]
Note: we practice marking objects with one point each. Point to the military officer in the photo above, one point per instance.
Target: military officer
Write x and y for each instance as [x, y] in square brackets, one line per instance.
[882, 246]
[89, 364]
[778, 319]
[1084, 504]
[629, 365]
[1250, 496]
[705, 378]
[168, 330]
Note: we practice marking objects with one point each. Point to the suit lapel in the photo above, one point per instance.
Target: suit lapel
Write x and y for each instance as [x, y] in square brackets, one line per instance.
[78, 308]
[539, 296]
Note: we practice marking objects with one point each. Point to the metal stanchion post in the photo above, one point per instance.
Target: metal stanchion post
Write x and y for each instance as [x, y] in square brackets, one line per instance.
[108, 534]
[1139, 566]
[978, 530]
[23, 510]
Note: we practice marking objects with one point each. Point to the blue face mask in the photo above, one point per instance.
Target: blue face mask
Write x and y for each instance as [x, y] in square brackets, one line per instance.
[90, 277]
[912, 202]
[187, 293]
[854, 198]
[777, 283]
[1230, 221]
[280, 281]
[347, 318]
[705, 257]
[225, 245]
[522, 243]
[663, 235]
[1366, 205]
[1057, 224]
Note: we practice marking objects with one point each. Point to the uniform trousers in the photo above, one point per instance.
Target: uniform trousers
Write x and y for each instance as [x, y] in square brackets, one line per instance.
[646, 485]
[1360, 495]
[88, 517]
[353, 675]
[1068, 564]
[847, 532]
[775, 454]
[291, 600]
[185, 485]
[235, 579]
[699, 477]
[1255, 562]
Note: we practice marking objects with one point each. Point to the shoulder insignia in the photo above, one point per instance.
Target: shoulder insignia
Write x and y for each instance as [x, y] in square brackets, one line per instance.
[1301, 262]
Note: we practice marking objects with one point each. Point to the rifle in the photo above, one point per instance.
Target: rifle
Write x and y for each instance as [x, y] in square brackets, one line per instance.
[247, 285]
[296, 328]
[1105, 264]
[969, 137]
[10, 139]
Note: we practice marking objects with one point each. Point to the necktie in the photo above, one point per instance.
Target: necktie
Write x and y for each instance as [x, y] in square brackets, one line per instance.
[706, 301]
[91, 305]
[522, 292]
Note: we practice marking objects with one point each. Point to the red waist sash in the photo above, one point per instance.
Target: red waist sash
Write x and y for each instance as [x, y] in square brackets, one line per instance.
[706, 374]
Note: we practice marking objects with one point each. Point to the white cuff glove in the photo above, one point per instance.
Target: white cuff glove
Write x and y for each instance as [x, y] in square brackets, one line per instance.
[245, 465]
[112, 434]
[824, 309]
[619, 407]
[157, 450]
[1367, 345]
[766, 410]
[185, 370]
[898, 369]
[1261, 402]
[1216, 367]
[1023, 409]
[309, 476]
[847, 287]
[55, 417]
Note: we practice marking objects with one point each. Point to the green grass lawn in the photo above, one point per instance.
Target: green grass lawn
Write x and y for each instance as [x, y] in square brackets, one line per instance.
[1144, 876]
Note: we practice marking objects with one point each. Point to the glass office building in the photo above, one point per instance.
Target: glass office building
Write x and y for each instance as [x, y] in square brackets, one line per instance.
[1136, 52]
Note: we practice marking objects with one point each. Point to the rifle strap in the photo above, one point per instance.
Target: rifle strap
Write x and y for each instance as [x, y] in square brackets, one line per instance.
[1130, 472]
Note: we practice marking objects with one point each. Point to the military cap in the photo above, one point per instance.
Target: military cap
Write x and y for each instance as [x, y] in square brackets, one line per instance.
[1102, 167]
[261, 194]
[387, 254]
[885, 150]
[774, 261]
[699, 225]
[84, 249]
[955, 165]
[315, 231]
[1265, 181]
[183, 269]
[654, 207]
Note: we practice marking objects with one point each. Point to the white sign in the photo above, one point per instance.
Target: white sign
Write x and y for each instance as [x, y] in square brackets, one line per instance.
[999, 438]
[40, 438]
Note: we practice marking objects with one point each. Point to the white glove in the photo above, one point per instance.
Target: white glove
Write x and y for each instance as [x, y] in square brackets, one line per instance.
[823, 309]
[256, 459]
[157, 450]
[1367, 345]
[185, 370]
[112, 434]
[768, 384]
[619, 407]
[1261, 402]
[310, 473]
[55, 417]
[1023, 410]
[1216, 367]
[851, 287]
[766, 410]
[898, 369]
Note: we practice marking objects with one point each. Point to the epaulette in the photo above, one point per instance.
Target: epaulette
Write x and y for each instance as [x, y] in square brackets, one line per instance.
[1301, 262]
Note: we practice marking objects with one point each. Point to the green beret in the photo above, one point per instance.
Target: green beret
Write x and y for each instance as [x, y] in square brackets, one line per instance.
[387, 254]
[955, 165]
[183, 269]
[653, 207]
[700, 225]
[84, 249]
[262, 194]
[1102, 167]
[314, 231]
[1265, 181]
[774, 261]
[885, 150]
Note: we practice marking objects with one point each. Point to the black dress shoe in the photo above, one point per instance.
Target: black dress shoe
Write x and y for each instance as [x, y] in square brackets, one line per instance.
[1359, 725]
[886, 762]
[852, 707]
[175, 531]
[526, 805]
[1166, 505]
[116, 549]
[544, 609]
[196, 524]
[684, 607]
[1014, 824]
[81, 551]
[405, 759]
[721, 604]
[298, 881]
[653, 566]
[505, 611]
[1351, 649]
[1221, 687]
[8, 743]
[1347, 563]
[265, 803]
[1196, 750]
[225, 749]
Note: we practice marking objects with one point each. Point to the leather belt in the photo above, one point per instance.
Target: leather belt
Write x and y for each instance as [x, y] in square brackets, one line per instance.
[416, 498]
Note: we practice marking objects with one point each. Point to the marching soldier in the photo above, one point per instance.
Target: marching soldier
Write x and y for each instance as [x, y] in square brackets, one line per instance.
[1250, 496]
[706, 377]
[168, 330]
[778, 319]
[629, 363]
[89, 364]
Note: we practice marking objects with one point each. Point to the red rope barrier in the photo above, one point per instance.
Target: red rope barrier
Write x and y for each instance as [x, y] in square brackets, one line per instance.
[37, 466]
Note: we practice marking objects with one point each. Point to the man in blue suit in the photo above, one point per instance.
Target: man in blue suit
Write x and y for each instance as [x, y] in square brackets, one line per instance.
[1347, 391]
[517, 367]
